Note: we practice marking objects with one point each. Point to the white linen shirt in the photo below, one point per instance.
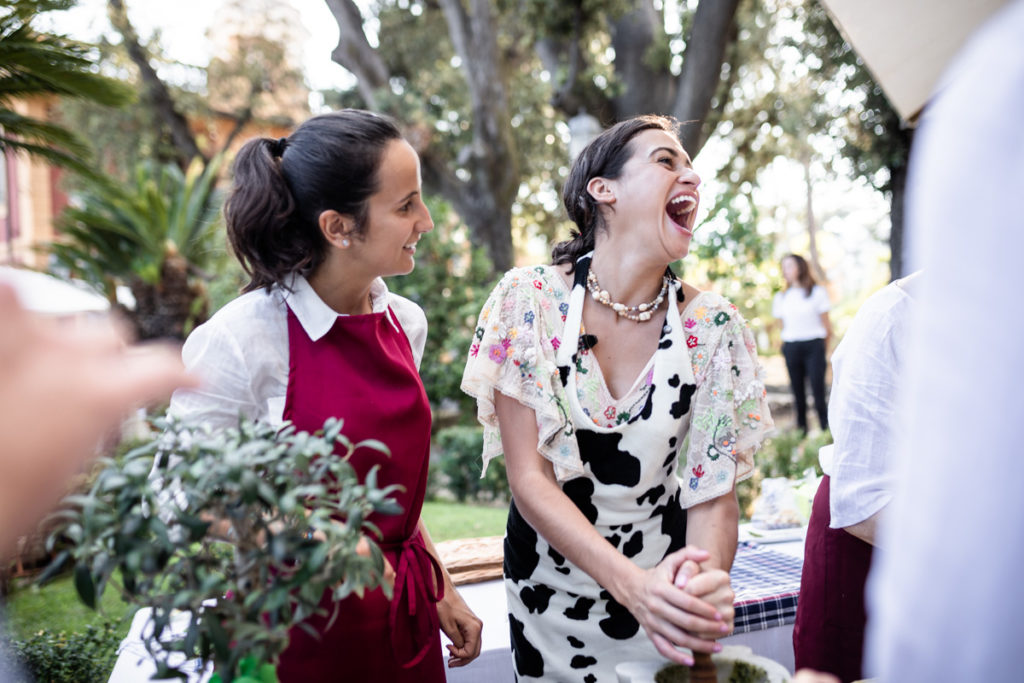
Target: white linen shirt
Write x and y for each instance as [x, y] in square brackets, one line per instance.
[801, 314]
[865, 372]
[241, 353]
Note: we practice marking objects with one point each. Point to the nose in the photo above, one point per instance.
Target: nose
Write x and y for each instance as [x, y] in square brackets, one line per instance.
[689, 177]
[426, 223]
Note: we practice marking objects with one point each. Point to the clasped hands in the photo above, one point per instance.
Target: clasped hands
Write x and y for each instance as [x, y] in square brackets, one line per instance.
[679, 604]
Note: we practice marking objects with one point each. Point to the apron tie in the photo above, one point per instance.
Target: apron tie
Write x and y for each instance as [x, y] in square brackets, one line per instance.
[416, 567]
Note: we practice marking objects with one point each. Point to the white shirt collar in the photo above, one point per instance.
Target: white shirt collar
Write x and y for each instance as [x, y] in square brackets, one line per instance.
[315, 316]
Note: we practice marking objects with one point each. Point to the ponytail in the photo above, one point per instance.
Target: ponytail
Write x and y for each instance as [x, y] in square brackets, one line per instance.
[259, 214]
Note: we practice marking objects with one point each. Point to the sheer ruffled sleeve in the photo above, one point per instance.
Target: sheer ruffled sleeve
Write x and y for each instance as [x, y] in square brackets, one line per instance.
[730, 411]
[513, 352]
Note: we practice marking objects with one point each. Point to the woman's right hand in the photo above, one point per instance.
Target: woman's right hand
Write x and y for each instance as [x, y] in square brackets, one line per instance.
[669, 615]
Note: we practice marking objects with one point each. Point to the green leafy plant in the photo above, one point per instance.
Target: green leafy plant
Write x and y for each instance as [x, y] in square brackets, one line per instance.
[86, 657]
[157, 236]
[268, 491]
[460, 464]
[790, 454]
[37, 64]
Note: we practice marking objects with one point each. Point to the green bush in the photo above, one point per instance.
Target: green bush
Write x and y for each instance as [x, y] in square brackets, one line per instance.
[460, 466]
[787, 454]
[66, 658]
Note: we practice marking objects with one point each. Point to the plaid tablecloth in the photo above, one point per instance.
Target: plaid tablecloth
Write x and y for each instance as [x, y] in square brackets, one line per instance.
[767, 585]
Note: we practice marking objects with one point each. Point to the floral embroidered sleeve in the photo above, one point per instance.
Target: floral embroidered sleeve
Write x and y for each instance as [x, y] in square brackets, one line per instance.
[730, 416]
[513, 351]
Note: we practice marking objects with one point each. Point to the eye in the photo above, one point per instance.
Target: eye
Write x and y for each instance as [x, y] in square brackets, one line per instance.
[667, 161]
[404, 208]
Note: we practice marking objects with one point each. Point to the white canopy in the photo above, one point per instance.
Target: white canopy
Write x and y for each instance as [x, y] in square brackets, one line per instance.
[44, 293]
[907, 44]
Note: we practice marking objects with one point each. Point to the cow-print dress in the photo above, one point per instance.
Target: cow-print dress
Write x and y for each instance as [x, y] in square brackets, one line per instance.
[616, 459]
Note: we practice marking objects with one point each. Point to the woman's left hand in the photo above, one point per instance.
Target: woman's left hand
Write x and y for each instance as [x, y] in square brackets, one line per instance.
[461, 626]
[712, 586]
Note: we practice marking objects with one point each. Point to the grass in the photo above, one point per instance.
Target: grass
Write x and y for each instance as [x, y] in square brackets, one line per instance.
[56, 607]
[447, 521]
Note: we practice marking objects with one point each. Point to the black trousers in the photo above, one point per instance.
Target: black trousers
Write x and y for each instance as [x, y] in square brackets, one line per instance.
[805, 360]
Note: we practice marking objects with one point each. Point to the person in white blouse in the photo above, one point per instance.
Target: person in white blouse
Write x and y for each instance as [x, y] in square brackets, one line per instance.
[829, 631]
[317, 219]
[803, 308]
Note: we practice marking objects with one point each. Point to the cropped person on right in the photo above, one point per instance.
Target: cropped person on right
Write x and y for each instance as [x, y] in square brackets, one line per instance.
[829, 631]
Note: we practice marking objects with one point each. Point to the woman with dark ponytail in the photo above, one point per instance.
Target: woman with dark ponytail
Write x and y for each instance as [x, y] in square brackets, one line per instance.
[317, 219]
[599, 378]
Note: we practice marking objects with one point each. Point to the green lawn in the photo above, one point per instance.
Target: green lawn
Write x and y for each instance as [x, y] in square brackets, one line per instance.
[447, 521]
[56, 607]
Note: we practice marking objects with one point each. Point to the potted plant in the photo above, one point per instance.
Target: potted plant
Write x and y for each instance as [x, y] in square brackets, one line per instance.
[266, 491]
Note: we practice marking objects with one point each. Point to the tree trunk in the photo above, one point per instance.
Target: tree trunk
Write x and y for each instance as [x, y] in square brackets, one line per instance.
[155, 90]
[484, 201]
[355, 53]
[702, 68]
[897, 189]
[812, 224]
[649, 89]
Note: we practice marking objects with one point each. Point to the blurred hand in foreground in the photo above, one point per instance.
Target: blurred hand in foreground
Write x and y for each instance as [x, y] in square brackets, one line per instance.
[62, 389]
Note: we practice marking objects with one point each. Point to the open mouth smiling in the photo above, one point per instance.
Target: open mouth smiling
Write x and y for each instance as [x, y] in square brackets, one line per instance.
[680, 208]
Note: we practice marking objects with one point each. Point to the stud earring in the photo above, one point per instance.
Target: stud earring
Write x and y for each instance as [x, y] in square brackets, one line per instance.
[344, 243]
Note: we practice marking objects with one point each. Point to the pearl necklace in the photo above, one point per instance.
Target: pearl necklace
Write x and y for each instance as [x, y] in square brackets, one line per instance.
[638, 313]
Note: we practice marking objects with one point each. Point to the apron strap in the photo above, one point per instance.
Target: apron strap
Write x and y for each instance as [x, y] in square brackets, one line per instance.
[414, 588]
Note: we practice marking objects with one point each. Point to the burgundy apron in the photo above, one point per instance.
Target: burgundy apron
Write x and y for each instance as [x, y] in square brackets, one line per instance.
[363, 371]
[829, 631]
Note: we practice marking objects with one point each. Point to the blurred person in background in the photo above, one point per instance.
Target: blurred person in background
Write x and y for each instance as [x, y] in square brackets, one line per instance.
[802, 307]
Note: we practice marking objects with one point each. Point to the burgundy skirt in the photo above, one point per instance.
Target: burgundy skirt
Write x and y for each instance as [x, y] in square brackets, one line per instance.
[829, 631]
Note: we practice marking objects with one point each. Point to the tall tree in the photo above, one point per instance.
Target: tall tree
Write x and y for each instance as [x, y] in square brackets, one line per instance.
[242, 80]
[34, 64]
[874, 137]
[472, 144]
[680, 74]
[155, 91]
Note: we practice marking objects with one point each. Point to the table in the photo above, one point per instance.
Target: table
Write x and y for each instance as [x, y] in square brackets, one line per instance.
[765, 577]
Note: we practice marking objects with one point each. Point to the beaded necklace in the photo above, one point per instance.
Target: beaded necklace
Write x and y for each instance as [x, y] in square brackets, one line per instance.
[638, 313]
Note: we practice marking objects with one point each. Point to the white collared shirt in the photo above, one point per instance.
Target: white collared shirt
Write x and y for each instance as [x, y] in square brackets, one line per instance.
[241, 353]
[865, 385]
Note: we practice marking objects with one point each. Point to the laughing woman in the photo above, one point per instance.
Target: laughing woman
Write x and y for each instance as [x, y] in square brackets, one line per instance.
[600, 378]
[317, 219]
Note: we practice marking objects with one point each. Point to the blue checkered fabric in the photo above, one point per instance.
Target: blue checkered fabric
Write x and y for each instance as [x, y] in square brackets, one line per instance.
[767, 585]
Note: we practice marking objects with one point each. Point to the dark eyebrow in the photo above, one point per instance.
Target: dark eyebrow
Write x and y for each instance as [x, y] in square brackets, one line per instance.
[663, 149]
[675, 153]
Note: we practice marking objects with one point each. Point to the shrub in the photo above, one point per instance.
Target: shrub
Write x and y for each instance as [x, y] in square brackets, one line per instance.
[66, 658]
[787, 454]
[460, 466]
